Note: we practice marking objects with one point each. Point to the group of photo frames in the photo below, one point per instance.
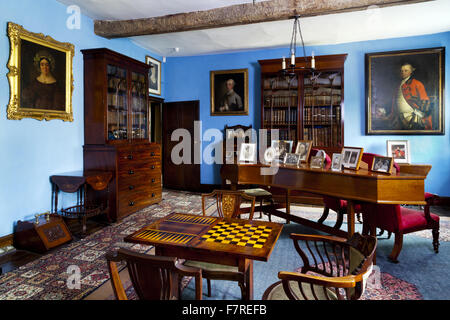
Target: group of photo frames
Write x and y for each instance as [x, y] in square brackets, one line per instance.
[349, 158]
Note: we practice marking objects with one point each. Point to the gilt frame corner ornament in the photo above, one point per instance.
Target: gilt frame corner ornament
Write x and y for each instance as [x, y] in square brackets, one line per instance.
[29, 94]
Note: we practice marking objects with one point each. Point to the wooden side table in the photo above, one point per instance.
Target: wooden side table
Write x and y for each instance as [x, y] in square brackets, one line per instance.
[79, 181]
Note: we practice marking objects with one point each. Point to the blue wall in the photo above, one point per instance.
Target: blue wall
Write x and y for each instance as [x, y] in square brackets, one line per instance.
[189, 80]
[33, 150]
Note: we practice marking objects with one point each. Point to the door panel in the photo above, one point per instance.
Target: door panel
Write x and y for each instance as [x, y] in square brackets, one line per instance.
[179, 115]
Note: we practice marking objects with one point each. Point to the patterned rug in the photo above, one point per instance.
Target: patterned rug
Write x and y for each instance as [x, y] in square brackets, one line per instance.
[47, 278]
[383, 286]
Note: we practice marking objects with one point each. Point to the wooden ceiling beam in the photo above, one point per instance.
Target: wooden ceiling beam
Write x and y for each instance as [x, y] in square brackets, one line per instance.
[234, 15]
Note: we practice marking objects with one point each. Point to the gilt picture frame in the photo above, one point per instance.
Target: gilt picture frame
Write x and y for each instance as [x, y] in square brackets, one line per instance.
[40, 76]
[154, 75]
[229, 92]
[405, 92]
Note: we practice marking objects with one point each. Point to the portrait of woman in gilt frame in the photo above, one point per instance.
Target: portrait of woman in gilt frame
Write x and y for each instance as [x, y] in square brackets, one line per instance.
[40, 76]
[404, 92]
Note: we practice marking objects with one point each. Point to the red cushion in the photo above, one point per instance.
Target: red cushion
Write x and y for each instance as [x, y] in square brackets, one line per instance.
[413, 220]
[337, 204]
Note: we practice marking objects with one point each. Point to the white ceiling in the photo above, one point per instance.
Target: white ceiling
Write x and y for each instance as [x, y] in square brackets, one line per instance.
[373, 23]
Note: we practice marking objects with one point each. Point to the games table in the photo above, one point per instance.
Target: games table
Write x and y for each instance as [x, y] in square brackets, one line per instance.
[234, 242]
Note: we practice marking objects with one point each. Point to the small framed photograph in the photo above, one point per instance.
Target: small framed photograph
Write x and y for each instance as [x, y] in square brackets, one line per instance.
[399, 150]
[316, 162]
[248, 152]
[292, 159]
[154, 75]
[282, 147]
[336, 162]
[351, 157]
[382, 164]
[303, 149]
[269, 155]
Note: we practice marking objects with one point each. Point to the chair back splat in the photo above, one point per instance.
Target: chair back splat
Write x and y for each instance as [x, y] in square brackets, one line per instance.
[153, 277]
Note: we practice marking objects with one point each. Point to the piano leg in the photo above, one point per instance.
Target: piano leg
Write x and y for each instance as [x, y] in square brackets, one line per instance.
[288, 205]
[350, 218]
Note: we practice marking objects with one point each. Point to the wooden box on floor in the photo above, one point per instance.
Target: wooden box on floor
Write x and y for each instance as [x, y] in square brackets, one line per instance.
[41, 237]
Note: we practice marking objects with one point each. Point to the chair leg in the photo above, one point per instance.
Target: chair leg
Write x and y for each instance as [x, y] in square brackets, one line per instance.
[324, 216]
[208, 282]
[398, 244]
[260, 209]
[340, 219]
[436, 239]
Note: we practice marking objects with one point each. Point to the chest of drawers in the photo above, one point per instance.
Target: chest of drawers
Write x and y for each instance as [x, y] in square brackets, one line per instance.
[137, 174]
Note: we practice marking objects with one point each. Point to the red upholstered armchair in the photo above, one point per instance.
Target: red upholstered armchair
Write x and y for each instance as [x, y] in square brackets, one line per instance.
[340, 206]
[401, 220]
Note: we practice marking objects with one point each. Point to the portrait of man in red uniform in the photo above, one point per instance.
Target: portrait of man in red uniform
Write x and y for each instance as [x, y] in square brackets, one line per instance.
[411, 104]
[405, 92]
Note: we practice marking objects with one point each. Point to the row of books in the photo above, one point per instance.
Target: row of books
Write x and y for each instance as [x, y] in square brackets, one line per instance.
[322, 115]
[280, 83]
[280, 116]
[117, 100]
[322, 100]
[322, 91]
[283, 134]
[323, 136]
[333, 79]
[281, 101]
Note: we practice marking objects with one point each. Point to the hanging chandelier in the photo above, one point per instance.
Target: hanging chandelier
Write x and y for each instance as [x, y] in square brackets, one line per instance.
[292, 68]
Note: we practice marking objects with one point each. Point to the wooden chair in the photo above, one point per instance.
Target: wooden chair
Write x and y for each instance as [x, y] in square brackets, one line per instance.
[261, 195]
[153, 277]
[401, 220]
[228, 206]
[342, 265]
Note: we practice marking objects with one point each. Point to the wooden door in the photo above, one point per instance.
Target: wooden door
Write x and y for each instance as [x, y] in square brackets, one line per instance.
[178, 115]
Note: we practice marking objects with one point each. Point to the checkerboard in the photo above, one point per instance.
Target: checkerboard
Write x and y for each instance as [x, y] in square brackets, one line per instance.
[244, 235]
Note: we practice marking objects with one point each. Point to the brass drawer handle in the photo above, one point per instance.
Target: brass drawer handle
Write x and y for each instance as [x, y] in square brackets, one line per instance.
[131, 203]
[131, 172]
[131, 187]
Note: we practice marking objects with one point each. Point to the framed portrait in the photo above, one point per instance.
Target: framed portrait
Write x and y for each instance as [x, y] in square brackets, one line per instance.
[229, 92]
[303, 149]
[405, 92]
[282, 147]
[248, 152]
[154, 75]
[336, 162]
[292, 159]
[351, 157]
[40, 76]
[382, 164]
[316, 162]
[399, 150]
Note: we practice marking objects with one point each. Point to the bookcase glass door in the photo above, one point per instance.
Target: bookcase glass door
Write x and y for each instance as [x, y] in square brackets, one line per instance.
[139, 106]
[117, 103]
[280, 106]
[322, 109]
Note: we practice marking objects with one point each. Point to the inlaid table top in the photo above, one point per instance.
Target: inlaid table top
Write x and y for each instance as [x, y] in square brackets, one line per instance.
[211, 235]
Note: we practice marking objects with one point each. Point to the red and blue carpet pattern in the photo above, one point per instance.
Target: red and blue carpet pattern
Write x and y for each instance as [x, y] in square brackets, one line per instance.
[46, 278]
